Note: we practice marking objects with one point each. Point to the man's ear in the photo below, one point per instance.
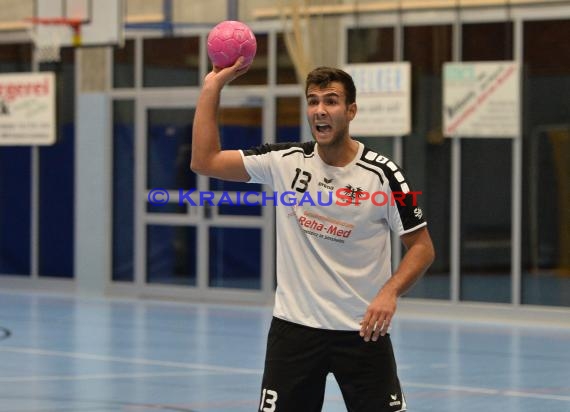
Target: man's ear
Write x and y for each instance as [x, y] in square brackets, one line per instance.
[352, 111]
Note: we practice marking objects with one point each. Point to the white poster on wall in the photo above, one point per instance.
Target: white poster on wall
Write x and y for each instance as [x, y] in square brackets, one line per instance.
[383, 99]
[481, 99]
[27, 109]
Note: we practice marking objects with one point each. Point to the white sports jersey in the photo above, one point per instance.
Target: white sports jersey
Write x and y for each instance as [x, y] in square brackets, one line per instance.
[333, 229]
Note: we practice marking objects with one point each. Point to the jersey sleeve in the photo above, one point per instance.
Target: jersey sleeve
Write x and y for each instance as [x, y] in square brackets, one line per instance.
[257, 163]
[263, 163]
[404, 212]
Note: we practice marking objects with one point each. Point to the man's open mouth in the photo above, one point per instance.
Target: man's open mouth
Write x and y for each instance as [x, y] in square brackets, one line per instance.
[322, 127]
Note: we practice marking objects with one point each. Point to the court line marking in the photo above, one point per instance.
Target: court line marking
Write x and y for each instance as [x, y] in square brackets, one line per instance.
[487, 391]
[537, 396]
[96, 376]
[137, 361]
[224, 369]
[454, 388]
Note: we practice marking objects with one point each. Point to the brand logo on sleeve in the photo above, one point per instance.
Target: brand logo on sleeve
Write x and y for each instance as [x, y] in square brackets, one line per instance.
[418, 213]
[395, 401]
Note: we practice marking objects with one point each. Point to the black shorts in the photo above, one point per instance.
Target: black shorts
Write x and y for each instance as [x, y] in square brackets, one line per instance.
[299, 358]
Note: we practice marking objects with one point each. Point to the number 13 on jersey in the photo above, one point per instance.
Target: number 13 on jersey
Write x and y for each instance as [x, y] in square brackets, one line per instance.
[301, 185]
[269, 398]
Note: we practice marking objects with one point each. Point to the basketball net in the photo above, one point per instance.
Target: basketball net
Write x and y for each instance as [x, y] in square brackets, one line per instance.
[48, 45]
[311, 40]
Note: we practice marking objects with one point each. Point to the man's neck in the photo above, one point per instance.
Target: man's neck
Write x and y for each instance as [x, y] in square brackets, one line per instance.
[339, 155]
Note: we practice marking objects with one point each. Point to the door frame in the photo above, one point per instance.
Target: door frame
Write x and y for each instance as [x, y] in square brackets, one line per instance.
[202, 291]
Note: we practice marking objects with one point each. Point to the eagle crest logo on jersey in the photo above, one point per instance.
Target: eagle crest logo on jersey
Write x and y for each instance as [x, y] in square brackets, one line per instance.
[355, 193]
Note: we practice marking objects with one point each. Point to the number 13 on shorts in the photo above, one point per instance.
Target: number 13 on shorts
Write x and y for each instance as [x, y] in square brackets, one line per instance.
[268, 400]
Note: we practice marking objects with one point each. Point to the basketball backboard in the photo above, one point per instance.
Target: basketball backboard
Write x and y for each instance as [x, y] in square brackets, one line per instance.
[101, 22]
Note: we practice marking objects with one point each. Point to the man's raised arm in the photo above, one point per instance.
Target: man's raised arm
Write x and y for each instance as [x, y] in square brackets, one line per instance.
[207, 157]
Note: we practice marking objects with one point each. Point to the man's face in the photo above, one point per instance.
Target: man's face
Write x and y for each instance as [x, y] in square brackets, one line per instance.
[328, 114]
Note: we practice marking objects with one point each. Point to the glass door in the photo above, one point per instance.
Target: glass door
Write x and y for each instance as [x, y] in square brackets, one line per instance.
[194, 235]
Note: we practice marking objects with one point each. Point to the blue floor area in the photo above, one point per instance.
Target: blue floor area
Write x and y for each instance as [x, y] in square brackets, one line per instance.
[63, 353]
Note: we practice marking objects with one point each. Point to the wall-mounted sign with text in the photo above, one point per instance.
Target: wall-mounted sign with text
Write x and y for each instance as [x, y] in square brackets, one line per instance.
[27, 109]
[481, 99]
[383, 98]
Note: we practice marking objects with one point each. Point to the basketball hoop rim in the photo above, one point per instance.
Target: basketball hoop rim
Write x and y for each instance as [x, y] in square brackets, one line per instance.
[56, 21]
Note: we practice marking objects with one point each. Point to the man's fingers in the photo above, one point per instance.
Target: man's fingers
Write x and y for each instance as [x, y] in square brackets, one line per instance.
[386, 326]
[372, 329]
[377, 331]
[368, 328]
[364, 326]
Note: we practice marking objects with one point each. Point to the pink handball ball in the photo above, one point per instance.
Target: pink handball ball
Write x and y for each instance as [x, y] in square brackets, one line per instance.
[229, 40]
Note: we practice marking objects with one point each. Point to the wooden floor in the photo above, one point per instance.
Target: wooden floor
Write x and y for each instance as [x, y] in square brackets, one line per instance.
[63, 353]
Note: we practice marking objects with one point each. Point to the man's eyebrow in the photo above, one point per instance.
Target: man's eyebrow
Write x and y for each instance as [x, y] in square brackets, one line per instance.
[331, 94]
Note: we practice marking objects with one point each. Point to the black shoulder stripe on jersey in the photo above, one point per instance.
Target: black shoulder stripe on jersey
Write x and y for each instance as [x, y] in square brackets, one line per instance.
[298, 151]
[410, 211]
[371, 170]
[306, 148]
[388, 172]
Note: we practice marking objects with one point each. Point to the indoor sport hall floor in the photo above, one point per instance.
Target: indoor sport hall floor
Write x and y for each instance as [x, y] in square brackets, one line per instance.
[61, 353]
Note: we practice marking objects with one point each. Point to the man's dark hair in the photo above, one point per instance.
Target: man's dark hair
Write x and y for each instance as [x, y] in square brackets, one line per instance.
[323, 76]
